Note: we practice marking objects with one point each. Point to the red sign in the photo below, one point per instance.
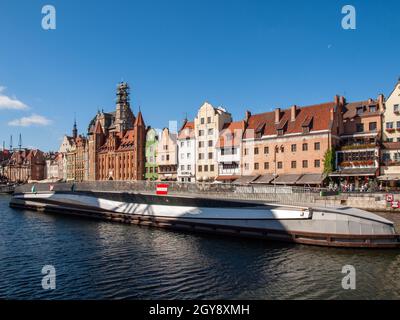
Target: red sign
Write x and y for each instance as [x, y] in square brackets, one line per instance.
[389, 197]
[395, 204]
[162, 189]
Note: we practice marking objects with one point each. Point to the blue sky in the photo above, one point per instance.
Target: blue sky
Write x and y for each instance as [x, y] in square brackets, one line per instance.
[176, 54]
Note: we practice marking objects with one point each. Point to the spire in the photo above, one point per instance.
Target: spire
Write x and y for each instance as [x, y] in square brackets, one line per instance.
[75, 130]
[20, 142]
[139, 120]
[11, 143]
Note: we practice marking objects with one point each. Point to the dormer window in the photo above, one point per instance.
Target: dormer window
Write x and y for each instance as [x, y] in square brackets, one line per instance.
[372, 109]
[280, 132]
[360, 111]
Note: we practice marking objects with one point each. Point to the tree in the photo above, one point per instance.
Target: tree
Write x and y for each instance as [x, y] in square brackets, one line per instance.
[329, 161]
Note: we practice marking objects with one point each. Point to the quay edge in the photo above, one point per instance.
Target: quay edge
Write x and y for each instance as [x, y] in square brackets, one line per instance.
[331, 227]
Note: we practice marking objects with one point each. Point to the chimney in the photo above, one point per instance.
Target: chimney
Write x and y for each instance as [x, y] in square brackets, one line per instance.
[293, 111]
[277, 115]
[248, 115]
[370, 101]
[342, 101]
[381, 102]
[337, 100]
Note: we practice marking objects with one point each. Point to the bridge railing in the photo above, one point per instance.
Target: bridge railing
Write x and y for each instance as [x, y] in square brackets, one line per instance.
[268, 193]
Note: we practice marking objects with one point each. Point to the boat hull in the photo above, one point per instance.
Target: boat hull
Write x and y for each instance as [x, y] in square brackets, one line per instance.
[314, 226]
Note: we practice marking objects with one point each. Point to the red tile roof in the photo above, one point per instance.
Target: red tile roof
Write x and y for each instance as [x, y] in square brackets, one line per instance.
[317, 117]
[231, 134]
[350, 109]
[187, 131]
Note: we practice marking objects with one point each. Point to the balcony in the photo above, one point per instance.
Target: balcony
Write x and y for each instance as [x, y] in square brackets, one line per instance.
[357, 164]
[390, 130]
[358, 146]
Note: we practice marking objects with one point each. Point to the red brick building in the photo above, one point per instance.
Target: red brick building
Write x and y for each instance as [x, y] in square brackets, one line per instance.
[25, 165]
[117, 142]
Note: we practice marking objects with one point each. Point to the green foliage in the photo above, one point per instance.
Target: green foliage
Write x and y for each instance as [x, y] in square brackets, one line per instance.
[329, 161]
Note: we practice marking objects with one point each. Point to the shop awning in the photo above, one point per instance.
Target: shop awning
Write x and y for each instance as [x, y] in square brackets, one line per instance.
[311, 178]
[227, 178]
[264, 179]
[389, 177]
[245, 179]
[287, 179]
[354, 172]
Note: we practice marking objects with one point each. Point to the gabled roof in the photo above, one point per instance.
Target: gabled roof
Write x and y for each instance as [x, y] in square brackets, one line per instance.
[317, 117]
[350, 109]
[187, 131]
[231, 134]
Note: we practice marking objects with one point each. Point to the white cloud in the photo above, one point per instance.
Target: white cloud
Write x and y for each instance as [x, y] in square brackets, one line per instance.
[34, 119]
[8, 103]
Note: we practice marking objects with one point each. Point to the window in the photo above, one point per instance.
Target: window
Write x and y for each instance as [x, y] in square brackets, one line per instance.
[201, 133]
[182, 168]
[317, 163]
[189, 167]
[256, 166]
[256, 150]
[389, 125]
[396, 108]
[201, 156]
[167, 157]
[188, 155]
[210, 131]
[182, 156]
[372, 126]
[398, 124]
[360, 127]
[280, 165]
[386, 157]
[200, 168]
[210, 155]
[266, 165]
[305, 146]
[246, 151]
[360, 111]
[293, 165]
[293, 147]
[201, 144]
[162, 158]
[266, 150]
[372, 109]
[188, 143]
[246, 166]
[206, 168]
[317, 146]
[210, 143]
[208, 119]
[389, 139]
[305, 163]
[182, 144]
[202, 120]
[212, 168]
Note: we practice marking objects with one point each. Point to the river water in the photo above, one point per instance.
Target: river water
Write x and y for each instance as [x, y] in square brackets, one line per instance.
[101, 260]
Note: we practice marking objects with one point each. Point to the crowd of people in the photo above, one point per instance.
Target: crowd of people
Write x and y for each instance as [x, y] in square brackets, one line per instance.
[346, 186]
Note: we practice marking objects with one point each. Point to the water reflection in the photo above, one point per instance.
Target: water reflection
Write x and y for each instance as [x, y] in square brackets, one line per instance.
[96, 259]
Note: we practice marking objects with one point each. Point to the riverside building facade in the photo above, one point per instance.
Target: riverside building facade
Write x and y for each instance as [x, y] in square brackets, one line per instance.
[167, 156]
[116, 148]
[288, 146]
[187, 152]
[151, 171]
[390, 152]
[207, 124]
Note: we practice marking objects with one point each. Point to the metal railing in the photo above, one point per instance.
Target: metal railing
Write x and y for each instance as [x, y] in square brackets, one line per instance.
[266, 193]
